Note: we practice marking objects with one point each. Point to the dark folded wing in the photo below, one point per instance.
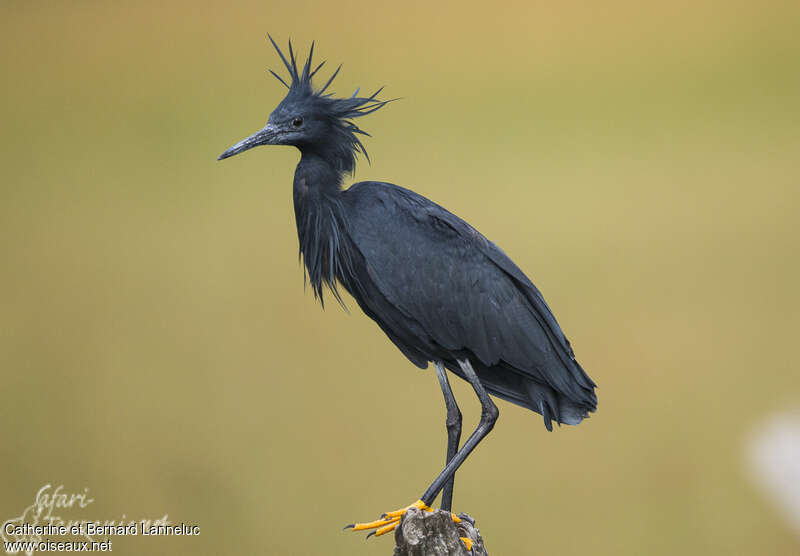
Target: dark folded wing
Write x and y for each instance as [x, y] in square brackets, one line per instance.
[462, 290]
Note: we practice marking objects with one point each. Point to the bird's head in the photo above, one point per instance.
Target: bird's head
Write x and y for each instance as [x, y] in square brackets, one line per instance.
[311, 119]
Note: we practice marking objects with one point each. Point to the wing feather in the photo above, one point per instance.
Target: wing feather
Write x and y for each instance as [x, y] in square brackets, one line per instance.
[464, 291]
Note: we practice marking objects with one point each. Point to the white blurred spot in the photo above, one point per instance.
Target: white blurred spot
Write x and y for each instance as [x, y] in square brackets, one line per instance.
[774, 456]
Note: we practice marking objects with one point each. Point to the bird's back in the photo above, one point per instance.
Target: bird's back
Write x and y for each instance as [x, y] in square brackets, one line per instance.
[442, 291]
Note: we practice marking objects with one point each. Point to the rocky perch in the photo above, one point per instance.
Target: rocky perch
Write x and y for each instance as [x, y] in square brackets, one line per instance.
[434, 534]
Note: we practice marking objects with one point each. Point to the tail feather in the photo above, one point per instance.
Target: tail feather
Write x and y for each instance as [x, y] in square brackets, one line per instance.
[557, 407]
[542, 398]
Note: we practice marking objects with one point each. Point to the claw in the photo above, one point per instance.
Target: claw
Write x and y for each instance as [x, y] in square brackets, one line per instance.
[467, 518]
[346, 527]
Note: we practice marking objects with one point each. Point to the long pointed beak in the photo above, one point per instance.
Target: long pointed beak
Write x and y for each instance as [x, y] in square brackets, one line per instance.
[265, 136]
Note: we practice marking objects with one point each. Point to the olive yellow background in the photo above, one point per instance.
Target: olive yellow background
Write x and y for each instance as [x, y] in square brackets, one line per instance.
[640, 161]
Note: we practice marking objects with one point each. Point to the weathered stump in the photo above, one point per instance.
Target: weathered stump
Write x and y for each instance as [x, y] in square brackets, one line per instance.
[423, 533]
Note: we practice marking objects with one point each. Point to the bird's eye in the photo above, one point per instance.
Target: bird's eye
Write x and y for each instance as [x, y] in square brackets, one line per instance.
[297, 122]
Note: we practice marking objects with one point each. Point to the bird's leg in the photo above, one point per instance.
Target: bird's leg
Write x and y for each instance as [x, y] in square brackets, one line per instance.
[453, 424]
[489, 414]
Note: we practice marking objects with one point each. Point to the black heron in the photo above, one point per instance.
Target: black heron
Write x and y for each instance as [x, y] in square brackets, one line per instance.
[440, 290]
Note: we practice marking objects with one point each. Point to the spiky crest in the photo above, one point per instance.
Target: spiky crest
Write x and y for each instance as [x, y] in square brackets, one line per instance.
[338, 111]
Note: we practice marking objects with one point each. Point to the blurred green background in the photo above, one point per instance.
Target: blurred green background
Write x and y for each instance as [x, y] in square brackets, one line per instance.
[639, 162]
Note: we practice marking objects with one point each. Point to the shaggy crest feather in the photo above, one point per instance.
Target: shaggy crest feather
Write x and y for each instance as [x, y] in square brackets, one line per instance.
[339, 112]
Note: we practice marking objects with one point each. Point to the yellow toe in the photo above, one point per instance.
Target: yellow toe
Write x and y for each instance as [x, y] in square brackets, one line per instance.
[370, 525]
[387, 528]
[388, 521]
[419, 504]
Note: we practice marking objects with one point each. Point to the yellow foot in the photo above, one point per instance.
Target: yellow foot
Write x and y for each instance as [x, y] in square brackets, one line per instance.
[467, 542]
[388, 521]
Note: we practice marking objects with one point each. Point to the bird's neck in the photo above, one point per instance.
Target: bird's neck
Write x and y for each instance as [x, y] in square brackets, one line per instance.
[321, 221]
[315, 175]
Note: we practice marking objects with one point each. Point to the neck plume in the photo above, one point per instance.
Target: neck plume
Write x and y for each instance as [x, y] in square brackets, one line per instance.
[321, 225]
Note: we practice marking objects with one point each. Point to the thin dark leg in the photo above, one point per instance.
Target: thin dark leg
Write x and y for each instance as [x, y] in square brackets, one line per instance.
[453, 424]
[489, 414]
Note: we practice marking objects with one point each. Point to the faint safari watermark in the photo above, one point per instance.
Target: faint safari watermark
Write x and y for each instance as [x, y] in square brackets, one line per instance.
[45, 525]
